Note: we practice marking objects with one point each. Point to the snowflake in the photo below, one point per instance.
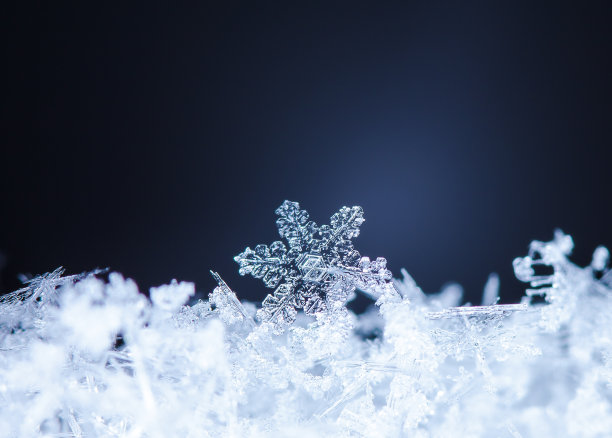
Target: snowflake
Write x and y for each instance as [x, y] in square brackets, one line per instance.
[318, 270]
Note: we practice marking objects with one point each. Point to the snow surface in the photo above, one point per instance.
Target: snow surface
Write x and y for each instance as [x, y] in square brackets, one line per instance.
[84, 356]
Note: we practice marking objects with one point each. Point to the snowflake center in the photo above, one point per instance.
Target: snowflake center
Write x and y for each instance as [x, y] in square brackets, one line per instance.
[313, 268]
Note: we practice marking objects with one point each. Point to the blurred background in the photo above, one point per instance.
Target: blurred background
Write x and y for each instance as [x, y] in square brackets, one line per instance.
[157, 140]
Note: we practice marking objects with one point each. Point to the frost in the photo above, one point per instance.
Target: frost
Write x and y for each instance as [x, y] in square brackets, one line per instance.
[90, 356]
[318, 271]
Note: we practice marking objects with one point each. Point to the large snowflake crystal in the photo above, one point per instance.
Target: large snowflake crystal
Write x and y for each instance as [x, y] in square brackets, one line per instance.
[319, 269]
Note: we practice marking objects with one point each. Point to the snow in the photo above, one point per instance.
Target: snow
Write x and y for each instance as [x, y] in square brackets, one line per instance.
[91, 356]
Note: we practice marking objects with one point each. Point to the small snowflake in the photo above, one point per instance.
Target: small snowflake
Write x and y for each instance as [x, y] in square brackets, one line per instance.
[318, 270]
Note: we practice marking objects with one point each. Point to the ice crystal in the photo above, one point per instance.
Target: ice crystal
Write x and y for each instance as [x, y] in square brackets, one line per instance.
[226, 303]
[318, 270]
[90, 356]
[567, 286]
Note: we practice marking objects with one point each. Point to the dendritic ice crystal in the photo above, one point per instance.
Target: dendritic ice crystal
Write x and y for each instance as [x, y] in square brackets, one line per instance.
[317, 270]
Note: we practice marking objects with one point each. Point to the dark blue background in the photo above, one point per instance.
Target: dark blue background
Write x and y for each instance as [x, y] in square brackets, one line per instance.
[158, 140]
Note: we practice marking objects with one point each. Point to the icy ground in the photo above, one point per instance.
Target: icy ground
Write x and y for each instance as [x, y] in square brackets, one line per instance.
[85, 357]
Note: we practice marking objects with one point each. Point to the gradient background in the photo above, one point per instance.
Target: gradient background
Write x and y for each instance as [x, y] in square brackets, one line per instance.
[158, 140]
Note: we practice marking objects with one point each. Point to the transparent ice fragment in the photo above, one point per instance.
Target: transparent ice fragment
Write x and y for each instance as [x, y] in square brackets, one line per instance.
[43, 288]
[493, 311]
[27, 306]
[226, 303]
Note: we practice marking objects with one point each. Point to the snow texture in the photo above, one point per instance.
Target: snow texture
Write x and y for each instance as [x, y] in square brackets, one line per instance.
[90, 356]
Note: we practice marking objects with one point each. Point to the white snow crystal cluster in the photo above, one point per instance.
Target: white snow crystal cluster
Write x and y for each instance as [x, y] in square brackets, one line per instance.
[90, 356]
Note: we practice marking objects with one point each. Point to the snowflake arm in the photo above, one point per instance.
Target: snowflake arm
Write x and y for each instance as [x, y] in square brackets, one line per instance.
[279, 308]
[269, 264]
[372, 277]
[294, 226]
[336, 237]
